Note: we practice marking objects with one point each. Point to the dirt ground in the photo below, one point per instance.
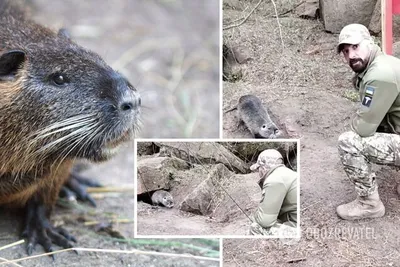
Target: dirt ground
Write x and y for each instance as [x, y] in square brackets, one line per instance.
[308, 83]
[157, 46]
[162, 221]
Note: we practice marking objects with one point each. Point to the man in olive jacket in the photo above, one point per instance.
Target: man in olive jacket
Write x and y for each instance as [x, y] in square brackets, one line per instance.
[277, 211]
[375, 126]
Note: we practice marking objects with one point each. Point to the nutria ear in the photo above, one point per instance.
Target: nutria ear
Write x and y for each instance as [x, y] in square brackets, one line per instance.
[64, 33]
[10, 62]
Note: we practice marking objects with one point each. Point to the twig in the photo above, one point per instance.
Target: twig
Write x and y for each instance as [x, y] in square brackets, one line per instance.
[12, 244]
[279, 24]
[315, 203]
[296, 260]
[236, 20]
[115, 251]
[244, 19]
[114, 221]
[8, 246]
[138, 49]
[7, 261]
[108, 189]
[293, 8]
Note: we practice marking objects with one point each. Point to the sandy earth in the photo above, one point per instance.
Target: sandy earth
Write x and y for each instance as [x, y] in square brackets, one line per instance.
[309, 84]
[226, 219]
[157, 46]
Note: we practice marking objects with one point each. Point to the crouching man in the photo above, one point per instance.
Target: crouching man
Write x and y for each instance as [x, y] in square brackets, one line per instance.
[375, 128]
[277, 211]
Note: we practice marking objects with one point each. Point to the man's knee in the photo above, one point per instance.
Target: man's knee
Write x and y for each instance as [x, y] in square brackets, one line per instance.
[256, 229]
[348, 140]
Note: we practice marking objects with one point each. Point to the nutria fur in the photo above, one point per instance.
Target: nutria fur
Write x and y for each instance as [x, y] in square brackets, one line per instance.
[59, 102]
[162, 198]
[256, 118]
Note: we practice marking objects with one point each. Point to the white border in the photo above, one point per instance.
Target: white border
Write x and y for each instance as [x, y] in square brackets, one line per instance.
[221, 252]
[220, 71]
[136, 235]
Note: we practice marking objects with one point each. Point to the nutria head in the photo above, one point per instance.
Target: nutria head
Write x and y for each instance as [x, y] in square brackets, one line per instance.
[268, 130]
[168, 200]
[59, 100]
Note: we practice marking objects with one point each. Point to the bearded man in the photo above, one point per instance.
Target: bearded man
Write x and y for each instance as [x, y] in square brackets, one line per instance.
[375, 128]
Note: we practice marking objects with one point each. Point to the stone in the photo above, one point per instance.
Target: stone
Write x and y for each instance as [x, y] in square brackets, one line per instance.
[337, 14]
[203, 153]
[156, 173]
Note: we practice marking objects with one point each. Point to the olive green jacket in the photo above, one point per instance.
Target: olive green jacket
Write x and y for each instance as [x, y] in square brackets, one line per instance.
[279, 198]
[379, 87]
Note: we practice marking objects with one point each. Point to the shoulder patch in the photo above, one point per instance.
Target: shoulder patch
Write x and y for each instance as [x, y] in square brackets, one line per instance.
[369, 92]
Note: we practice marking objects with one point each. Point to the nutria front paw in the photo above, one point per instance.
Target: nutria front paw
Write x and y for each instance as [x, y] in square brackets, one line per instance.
[77, 186]
[39, 230]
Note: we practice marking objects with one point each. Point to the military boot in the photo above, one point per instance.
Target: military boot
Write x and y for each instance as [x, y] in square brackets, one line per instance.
[362, 207]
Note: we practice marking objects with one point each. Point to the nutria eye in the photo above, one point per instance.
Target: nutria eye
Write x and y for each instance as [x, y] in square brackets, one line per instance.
[59, 79]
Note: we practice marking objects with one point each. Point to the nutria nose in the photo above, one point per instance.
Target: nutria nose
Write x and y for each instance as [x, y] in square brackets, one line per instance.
[126, 106]
[130, 104]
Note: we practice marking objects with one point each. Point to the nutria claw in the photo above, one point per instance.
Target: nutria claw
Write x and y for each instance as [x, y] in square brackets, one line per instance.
[77, 184]
[39, 230]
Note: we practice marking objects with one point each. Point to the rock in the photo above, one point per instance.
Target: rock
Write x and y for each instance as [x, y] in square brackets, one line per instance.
[246, 195]
[224, 196]
[155, 173]
[308, 10]
[375, 25]
[250, 151]
[231, 71]
[203, 153]
[337, 14]
[202, 200]
[396, 49]
[146, 148]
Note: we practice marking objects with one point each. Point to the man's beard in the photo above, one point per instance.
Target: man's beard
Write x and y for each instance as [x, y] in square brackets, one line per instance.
[359, 67]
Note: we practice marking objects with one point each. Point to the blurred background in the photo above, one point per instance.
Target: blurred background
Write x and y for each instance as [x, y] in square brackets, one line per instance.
[169, 50]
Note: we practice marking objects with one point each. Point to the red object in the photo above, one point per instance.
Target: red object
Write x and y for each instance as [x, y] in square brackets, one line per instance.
[392, 7]
[395, 7]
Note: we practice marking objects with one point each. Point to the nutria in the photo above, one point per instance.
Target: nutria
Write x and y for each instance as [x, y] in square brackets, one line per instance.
[60, 102]
[256, 118]
[162, 198]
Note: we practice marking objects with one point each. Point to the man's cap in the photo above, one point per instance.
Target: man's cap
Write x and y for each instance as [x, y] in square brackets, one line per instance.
[266, 157]
[353, 34]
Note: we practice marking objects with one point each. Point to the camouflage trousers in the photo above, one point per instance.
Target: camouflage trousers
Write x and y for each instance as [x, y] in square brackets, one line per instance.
[358, 153]
[278, 230]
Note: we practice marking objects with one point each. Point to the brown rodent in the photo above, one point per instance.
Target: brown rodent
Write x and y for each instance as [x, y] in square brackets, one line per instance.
[59, 102]
[256, 118]
[162, 198]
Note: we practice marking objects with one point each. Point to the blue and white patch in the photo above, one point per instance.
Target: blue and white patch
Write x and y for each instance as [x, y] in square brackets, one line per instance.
[369, 93]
